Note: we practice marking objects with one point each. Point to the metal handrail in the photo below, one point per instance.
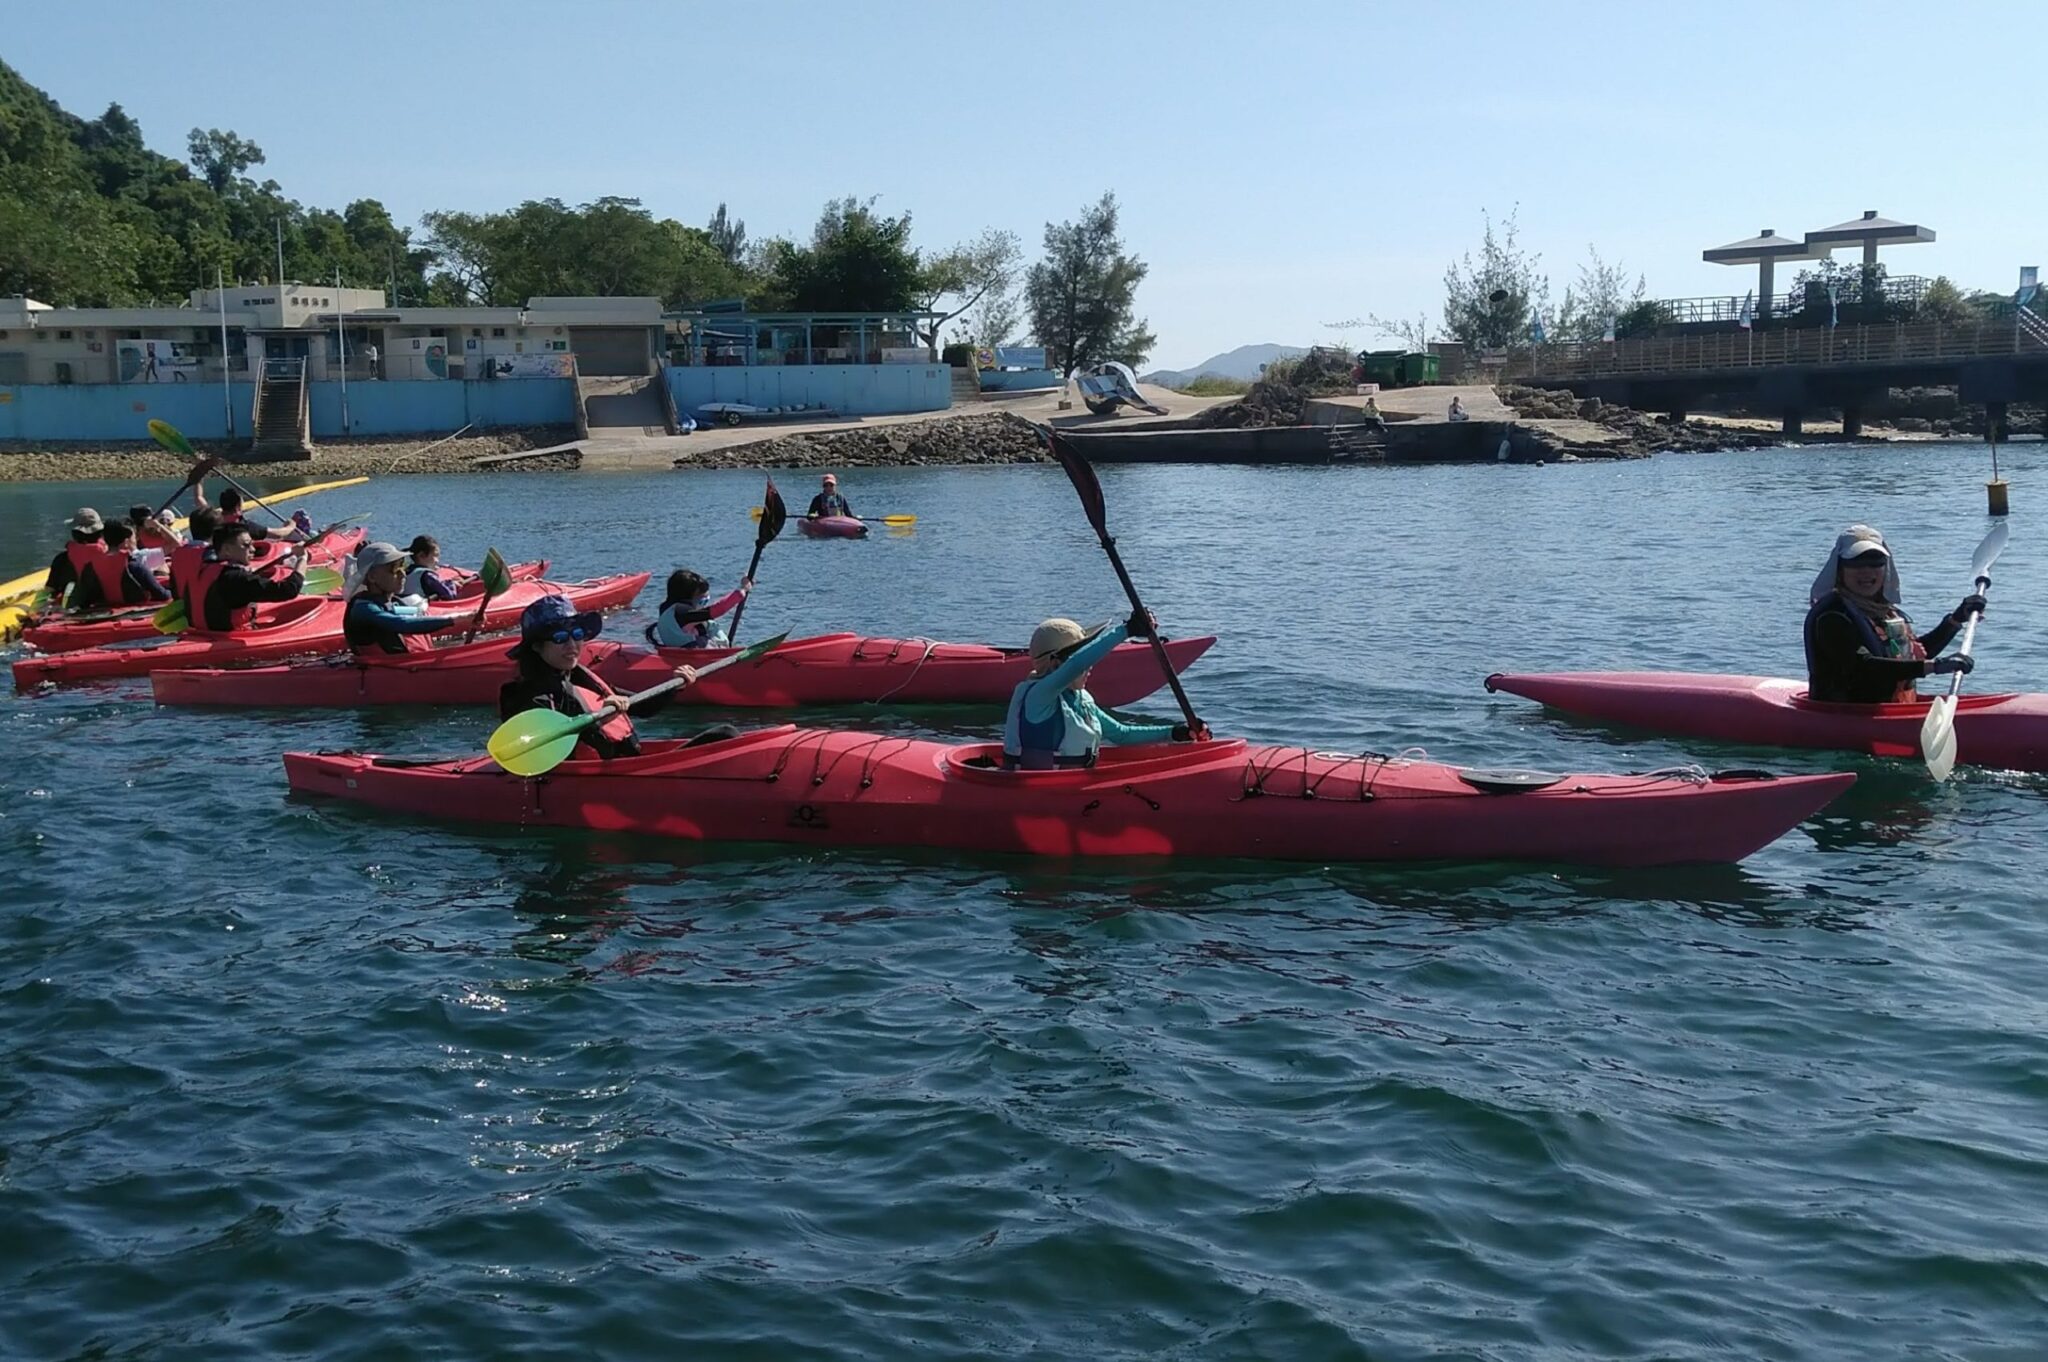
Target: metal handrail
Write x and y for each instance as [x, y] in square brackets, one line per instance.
[1846, 345]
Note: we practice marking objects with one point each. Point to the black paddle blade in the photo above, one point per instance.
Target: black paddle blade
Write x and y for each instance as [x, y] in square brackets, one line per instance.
[1082, 475]
[773, 514]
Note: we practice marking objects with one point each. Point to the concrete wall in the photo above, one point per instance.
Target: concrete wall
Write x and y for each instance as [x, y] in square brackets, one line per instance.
[1017, 380]
[850, 389]
[108, 411]
[437, 406]
[119, 411]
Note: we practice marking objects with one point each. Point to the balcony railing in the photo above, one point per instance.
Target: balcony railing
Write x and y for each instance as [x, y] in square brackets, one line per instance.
[1918, 342]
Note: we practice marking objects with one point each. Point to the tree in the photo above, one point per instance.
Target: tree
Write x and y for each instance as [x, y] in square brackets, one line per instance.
[221, 157]
[1489, 303]
[1082, 296]
[728, 236]
[973, 274]
[1601, 295]
[857, 261]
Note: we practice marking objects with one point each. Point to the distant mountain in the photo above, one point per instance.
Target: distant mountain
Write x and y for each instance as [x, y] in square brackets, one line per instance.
[1241, 363]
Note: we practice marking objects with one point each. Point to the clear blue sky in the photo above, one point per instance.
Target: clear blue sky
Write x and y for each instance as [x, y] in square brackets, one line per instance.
[1280, 166]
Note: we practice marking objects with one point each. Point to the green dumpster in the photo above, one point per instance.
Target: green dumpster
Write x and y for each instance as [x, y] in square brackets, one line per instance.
[1418, 367]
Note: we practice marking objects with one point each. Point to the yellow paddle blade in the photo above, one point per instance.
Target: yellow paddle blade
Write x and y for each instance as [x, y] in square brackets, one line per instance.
[536, 741]
[320, 581]
[171, 438]
[171, 619]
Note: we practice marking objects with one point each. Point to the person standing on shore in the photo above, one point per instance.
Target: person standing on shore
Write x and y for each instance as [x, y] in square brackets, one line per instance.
[828, 501]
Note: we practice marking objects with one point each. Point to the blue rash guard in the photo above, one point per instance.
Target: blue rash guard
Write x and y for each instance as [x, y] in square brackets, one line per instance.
[372, 624]
[1050, 725]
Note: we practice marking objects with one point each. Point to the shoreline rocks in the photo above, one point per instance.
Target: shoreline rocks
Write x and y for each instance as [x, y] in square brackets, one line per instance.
[982, 438]
[87, 461]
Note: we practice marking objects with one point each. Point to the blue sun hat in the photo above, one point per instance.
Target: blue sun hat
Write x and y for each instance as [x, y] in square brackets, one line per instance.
[553, 616]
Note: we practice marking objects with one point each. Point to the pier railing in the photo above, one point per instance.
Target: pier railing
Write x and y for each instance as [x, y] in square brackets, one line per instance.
[1916, 342]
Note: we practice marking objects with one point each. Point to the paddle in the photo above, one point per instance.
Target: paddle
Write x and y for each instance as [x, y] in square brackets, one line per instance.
[497, 581]
[1938, 730]
[209, 464]
[1082, 475]
[755, 513]
[173, 439]
[176, 617]
[536, 741]
[771, 525]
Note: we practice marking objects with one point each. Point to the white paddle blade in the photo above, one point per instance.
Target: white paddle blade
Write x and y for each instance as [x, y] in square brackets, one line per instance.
[1988, 551]
[1938, 737]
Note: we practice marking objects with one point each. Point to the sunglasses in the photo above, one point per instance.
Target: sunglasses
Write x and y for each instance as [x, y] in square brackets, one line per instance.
[1869, 560]
[574, 633]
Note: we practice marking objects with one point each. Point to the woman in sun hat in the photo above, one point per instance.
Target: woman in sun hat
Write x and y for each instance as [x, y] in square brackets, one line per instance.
[1053, 720]
[1860, 647]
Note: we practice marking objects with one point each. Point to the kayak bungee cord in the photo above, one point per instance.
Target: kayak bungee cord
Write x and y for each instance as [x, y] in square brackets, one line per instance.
[929, 646]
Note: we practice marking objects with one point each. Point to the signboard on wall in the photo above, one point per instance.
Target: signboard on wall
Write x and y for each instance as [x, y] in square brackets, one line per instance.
[1020, 357]
[527, 366]
[906, 354]
[155, 361]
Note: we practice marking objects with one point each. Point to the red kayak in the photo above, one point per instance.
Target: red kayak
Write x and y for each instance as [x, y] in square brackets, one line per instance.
[2007, 732]
[58, 632]
[308, 625]
[70, 633]
[831, 669]
[1224, 798]
[833, 527]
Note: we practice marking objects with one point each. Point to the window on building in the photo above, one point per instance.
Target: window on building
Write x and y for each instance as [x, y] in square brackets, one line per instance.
[92, 335]
[497, 331]
[42, 335]
[63, 335]
[476, 331]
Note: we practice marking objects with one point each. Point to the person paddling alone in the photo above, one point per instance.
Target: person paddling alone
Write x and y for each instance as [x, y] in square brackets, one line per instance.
[224, 593]
[689, 617]
[1860, 647]
[552, 676]
[372, 625]
[828, 501]
[1053, 720]
[424, 578]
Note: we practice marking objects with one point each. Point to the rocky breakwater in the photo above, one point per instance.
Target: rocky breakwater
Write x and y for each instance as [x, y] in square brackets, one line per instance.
[1557, 425]
[95, 461]
[979, 439]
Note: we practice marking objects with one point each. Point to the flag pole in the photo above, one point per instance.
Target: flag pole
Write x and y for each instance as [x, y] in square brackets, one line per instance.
[227, 387]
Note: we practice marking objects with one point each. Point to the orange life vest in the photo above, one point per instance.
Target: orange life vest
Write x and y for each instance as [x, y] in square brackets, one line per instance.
[618, 728]
[203, 583]
[109, 572]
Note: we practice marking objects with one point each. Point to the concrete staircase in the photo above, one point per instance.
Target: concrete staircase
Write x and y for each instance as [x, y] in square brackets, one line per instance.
[631, 405]
[1357, 442]
[281, 426]
[966, 386]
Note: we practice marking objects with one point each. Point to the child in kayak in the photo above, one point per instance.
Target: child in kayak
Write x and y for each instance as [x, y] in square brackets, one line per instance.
[1053, 720]
[152, 533]
[552, 676]
[687, 612]
[372, 624]
[423, 579]
[117, 577]
[1860, 647]
[828, 501]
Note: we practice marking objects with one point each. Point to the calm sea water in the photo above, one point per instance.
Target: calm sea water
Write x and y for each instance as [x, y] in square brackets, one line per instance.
[287, 1079]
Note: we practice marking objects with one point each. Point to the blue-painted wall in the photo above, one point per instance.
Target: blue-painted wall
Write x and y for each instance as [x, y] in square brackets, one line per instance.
[850, 389]
[1016, 380]
[119, 411]
[439, 406]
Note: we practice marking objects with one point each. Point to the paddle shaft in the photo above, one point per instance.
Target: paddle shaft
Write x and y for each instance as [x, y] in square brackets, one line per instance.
[199, 471]
[584, 721]
[732, 635]
[1955, 680]
[1158, 645]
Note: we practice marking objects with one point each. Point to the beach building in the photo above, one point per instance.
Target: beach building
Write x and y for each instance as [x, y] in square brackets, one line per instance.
[288, 365]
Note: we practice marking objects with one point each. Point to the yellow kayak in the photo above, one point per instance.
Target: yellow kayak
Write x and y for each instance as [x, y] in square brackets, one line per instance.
[17, 597]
